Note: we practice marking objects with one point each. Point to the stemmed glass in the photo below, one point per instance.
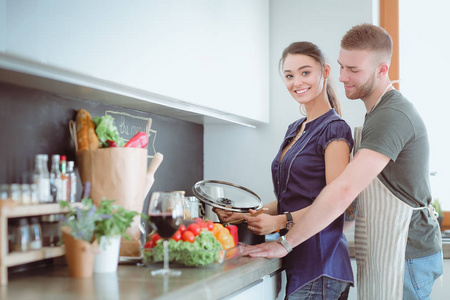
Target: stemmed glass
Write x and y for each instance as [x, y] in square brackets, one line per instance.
[166, 214]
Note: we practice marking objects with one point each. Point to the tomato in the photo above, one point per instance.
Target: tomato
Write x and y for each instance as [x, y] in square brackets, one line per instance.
[203, 225]
[155, 237]
[149, 244]
[210, 225]
[216, 229]
[176, 236]
[182, 228]
[194, 228]
[188, 236]
[225, 238]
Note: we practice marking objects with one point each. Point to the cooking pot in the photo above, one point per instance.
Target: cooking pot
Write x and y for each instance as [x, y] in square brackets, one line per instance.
[231, 197]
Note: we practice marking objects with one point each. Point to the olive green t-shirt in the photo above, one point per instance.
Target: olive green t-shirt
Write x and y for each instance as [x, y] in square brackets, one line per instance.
[394, 128]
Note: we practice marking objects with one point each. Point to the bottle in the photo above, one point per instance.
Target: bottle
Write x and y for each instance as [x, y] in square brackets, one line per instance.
[41, 178]
[35, 234]
[22, 236]
[55, 180]
[65, 190]
[72, 177]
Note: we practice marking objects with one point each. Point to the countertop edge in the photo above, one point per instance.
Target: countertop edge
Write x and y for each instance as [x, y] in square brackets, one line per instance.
[230, 281]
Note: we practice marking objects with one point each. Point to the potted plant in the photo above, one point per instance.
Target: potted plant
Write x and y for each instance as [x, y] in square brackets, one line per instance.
[108, 231]
[437, 207]
[78, 237]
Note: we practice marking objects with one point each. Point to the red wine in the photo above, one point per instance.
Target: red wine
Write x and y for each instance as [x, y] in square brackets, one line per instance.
[165, 224]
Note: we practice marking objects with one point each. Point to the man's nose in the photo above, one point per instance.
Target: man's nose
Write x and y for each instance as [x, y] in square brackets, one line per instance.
[343, 76]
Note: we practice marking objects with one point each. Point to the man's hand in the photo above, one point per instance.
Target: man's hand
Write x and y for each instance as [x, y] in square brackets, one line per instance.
[268, 250]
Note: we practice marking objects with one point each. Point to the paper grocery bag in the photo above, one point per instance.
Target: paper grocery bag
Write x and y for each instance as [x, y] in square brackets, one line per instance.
[117, 174]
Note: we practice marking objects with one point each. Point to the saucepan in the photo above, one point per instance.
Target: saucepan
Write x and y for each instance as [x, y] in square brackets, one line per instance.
[231, 197]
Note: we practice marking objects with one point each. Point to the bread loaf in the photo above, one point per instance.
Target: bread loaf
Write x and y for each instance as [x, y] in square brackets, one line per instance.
[86, 136]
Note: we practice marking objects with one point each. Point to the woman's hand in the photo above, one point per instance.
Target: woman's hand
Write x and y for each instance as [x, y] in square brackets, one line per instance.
[268, 250]
[263, 224]
[226, 216]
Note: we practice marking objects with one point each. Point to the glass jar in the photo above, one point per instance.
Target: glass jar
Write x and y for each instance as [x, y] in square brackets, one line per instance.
[191, 207]
[51, 230]
[35, 234]
[16, 193]
[4, 192]
[12, 228]
[22, 236]
[34, 194]
[26, 194]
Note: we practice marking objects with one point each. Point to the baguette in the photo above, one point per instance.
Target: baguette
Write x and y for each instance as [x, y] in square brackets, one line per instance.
[86, 136]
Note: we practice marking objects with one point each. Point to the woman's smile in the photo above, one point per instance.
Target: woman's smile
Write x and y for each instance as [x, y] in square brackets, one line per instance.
[301, 92]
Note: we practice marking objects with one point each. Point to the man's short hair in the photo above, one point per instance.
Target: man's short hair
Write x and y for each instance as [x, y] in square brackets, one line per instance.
[369, 37]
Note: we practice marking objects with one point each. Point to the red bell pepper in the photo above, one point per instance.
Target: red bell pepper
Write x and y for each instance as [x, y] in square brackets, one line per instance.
[234, 233]
[140, 140]
[111, 143]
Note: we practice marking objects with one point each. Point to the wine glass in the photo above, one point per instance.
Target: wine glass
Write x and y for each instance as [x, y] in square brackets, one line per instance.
[166, 214]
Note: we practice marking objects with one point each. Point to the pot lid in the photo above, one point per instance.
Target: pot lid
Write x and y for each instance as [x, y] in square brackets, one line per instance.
[225, 195]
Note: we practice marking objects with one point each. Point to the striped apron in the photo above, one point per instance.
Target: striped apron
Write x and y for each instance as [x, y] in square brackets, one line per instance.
[381, 232]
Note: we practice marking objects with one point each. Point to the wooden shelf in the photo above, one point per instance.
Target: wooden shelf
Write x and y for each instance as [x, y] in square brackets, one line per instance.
[32, 210]
[17, 258]
[8, 210]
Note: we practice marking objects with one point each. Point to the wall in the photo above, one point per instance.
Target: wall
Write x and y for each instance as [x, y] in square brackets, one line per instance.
[423, 48]
[34, 121]
[243, 155]
[189, 51]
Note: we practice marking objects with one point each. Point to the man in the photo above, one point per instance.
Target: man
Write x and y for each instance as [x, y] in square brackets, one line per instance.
[397, 241]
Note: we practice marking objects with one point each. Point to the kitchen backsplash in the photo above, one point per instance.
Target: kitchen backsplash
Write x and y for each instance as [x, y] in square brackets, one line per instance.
[34, 121]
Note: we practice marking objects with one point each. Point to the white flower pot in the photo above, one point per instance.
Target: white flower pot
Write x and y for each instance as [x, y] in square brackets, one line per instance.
[107, 258]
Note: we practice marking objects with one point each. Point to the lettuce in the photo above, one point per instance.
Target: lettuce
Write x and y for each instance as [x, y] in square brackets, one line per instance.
[205, 250]
[106, 130]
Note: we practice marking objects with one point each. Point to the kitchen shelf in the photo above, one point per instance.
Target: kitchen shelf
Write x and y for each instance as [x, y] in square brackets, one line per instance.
[32, 210]
[9, 210]
[18, 258]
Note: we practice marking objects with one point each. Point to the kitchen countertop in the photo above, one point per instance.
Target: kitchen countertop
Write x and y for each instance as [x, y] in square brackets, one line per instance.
[134, 282]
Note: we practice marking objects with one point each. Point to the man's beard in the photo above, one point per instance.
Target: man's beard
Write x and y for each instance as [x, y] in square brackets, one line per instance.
[362, 91]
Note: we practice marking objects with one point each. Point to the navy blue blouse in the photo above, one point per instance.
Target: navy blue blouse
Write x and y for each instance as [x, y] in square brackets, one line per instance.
[297, 181]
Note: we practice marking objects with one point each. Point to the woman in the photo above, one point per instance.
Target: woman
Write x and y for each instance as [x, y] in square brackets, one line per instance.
[315, 150]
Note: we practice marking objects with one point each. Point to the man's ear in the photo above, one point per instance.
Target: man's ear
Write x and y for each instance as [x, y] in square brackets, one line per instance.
[383, 70]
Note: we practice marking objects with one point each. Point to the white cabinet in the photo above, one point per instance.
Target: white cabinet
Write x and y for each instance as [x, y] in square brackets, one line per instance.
[268, 288]
[206, 57]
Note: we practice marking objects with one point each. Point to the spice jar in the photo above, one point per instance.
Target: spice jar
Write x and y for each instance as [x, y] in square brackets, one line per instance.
[34, 194]
[4, 191]
[26, 194]
[16, 193]
[51, 230]
[12, 227]
[35, 234]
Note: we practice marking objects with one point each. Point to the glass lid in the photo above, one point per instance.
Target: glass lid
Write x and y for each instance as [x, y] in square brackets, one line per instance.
[226, 195]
